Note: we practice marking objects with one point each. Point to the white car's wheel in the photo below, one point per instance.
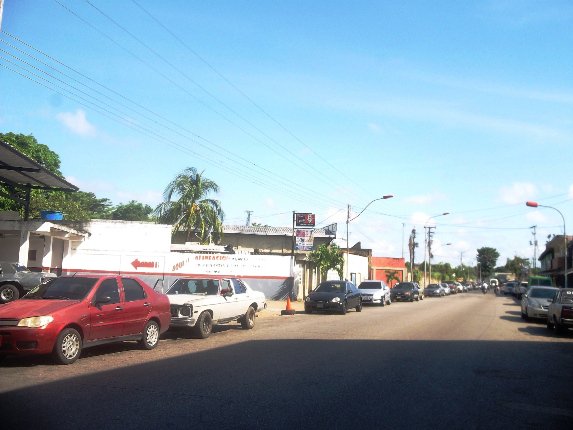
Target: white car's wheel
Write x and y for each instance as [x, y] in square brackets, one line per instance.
[248, 320]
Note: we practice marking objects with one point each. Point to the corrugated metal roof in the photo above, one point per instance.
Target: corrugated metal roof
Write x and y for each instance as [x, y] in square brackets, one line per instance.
[268, 230]
[18, 170]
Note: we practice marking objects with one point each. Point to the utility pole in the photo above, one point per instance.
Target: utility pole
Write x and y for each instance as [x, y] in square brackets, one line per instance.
[248, 218]
[412, 247]
[1, 11]
[430, 233]
[534, 243]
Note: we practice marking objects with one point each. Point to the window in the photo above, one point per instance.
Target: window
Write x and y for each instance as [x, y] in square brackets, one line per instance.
[108, 288]
[133, 291]
[239, 287]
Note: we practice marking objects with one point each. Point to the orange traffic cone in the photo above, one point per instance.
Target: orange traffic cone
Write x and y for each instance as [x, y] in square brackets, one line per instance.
[289, 309]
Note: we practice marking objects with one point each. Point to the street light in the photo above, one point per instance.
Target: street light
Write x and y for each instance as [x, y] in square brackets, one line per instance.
[427, 243]
[535, 205]
[348, 219]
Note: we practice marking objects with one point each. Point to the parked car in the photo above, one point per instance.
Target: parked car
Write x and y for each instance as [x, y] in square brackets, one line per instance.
[16, 280]
[535, 302]
[334, 296]
[70, 313]
[373, 291]
[199, 303]
[507, 288]
[446, 288]
[560, 310]
[405, 291]
[520, 289]
[434, 290]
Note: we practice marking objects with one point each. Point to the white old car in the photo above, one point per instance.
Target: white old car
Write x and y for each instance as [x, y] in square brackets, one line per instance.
[198, 303]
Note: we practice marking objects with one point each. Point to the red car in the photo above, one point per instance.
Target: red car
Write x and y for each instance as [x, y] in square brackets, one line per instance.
[73, 312]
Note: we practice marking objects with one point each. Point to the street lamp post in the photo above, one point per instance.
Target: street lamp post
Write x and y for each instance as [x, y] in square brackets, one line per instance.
[348, 219]
[427, 242]
[535, 205]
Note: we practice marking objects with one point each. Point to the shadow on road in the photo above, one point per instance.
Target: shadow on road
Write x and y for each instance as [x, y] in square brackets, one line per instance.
[317, 384]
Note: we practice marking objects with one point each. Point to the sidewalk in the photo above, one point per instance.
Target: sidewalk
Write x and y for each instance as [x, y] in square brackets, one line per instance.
[274, 307]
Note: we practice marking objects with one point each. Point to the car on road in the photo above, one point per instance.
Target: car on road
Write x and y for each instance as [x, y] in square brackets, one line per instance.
[339, 296]
[16, 280]
[375, 292]
[405, 291]
[434, 290]
[508, 287]
[446, 288]
[520, 289]
[535, 302]
[199, 303]
[560, 310]
[70, 313]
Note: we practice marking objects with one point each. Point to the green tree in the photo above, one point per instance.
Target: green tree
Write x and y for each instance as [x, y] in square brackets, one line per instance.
[392, 275]
[41, 154]
[28, 145]
[188, 209]
[487, 259]
[518, 266]
[132, 211]
[327, 257]
[78, 206]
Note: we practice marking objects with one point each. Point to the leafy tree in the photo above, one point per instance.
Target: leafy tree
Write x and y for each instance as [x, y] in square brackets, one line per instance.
[188, 209]
[38, 152]
[517, 265]
[392, 275]
[28, 145]
[78, 206]
[327, 257]
[442, 271]
[487, 258]
[132, 211]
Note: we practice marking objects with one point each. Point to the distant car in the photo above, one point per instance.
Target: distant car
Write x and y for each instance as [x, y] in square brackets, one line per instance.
[446, 287]
[405, 291]
[74, 312]
[535, 302]
[560, 310]
[16, 280]
[507, 288]
[376, 292]
[334, 296]
[199, 303]
[434, 290]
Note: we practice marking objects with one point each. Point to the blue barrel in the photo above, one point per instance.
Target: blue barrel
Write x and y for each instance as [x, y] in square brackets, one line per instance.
[52, 215]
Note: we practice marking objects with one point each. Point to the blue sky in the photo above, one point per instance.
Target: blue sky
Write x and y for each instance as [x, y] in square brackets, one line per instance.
[459, 107]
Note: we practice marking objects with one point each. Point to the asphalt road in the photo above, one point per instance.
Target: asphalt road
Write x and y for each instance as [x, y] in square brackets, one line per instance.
[465, 361]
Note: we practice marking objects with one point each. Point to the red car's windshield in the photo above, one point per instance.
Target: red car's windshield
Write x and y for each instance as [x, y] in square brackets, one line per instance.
[75, 288]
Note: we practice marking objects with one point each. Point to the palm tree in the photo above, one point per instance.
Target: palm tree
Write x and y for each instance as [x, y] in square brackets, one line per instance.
[186, 207]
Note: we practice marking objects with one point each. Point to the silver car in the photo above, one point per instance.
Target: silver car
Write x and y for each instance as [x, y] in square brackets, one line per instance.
[535, 302]
[373, 291]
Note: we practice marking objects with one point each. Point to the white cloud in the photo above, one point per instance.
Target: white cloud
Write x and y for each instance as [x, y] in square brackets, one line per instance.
[77, 123]
[518, 192]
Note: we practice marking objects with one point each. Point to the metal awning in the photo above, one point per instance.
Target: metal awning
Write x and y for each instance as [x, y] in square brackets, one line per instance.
[19, 170]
